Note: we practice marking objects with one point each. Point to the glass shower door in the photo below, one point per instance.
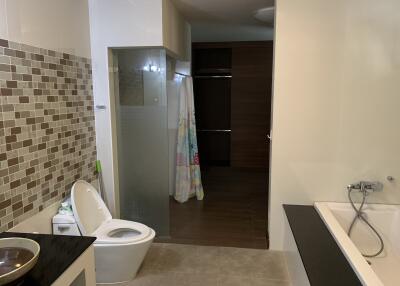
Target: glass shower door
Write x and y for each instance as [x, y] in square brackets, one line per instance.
[142, 137]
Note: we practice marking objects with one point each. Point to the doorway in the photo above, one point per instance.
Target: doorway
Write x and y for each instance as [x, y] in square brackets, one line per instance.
[232, 92]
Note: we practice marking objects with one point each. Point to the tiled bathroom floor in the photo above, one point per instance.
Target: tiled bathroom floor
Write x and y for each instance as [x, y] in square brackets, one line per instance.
[189, 265]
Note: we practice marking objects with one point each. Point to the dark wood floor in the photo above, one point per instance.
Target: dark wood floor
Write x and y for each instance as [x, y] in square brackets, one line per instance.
[233, 212]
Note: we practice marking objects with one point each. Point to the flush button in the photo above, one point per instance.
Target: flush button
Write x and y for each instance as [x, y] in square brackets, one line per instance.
[63, 228]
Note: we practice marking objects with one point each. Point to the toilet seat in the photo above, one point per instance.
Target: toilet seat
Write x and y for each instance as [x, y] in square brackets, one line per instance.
[117, 231]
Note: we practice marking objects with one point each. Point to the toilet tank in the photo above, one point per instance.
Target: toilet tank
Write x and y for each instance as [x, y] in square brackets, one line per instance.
[65, 225]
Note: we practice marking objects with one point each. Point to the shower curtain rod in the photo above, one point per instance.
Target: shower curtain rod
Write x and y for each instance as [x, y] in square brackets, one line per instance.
[178, 73]
[213, 76]
[205, 76]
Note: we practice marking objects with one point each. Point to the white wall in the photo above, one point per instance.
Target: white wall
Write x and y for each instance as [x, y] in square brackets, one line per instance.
[117, 23]
[126, 23]
[61, 25]
[176, 32]
[336, 102]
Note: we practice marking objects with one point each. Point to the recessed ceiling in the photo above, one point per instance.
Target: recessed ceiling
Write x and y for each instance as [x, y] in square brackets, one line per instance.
[238, 12]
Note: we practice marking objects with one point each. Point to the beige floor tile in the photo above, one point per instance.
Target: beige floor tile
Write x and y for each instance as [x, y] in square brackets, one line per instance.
[233, 280]
[175, 279]
[188, 259]
[254, 263]
[152, 259]
[190, 265]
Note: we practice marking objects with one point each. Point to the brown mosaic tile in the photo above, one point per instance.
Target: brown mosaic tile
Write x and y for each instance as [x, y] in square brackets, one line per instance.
[15, 130]
[5, 204]
[11, 139]
[9, 52]
[17, 213]
[28, 207]
[23, 99]
[27, 143]
[17, 206]
[30, 121]
[6, 91]
[12, 162]
[16, 76]
[31, 185]
[3, 43]
[36, 71]
[27, 77]
[30, 171]
[19, 54]
[5, 68]
[16, 199]
[32, 198]
[11, 84]
[15, 184]
[7, 107]
[46, 128]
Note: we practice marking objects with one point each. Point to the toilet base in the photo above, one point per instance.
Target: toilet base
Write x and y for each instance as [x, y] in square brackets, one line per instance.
[119, 263]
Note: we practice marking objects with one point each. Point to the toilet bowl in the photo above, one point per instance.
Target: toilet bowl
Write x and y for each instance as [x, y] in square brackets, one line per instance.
[120, 245]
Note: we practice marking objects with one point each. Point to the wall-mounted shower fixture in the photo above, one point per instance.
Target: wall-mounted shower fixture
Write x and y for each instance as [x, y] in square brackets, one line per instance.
[365, 186]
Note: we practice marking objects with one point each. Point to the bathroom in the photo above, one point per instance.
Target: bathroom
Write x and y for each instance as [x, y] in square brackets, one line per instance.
[332, 140]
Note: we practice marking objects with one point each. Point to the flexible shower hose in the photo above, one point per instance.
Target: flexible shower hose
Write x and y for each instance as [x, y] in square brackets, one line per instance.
[359, 215]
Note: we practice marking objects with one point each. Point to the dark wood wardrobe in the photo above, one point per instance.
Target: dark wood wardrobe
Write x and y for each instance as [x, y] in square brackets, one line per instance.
[232, 90]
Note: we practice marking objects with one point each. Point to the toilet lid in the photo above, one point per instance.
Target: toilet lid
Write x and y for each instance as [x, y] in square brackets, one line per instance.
[88, 207]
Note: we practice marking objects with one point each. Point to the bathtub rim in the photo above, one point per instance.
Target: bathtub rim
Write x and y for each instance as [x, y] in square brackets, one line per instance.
[359, 264]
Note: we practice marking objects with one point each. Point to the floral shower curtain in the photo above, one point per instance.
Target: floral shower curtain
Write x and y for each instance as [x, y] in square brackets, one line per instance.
[188, 177]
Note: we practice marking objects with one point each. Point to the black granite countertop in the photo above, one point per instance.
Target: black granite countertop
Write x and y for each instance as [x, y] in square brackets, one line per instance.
[57, 253]
[322, 258]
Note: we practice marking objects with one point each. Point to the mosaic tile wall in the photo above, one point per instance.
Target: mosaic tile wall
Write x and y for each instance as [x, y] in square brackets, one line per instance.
[47, 132]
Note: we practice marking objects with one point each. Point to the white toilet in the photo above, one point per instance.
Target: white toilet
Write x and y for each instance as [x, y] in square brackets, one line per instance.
[121, 245]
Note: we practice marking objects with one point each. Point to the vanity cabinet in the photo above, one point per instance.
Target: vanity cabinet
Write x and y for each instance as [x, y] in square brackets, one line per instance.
[63, 260]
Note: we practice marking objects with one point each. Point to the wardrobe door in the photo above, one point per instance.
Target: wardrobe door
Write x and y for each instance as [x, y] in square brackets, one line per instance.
[251, 104]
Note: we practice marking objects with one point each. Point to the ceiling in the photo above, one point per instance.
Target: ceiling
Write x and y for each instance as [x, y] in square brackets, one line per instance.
[222, 11]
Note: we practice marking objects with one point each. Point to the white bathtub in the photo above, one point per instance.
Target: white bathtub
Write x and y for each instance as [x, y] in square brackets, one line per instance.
[384, 269]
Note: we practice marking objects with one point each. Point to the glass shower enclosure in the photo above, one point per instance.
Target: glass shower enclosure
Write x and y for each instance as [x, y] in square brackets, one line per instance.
[141, 118]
